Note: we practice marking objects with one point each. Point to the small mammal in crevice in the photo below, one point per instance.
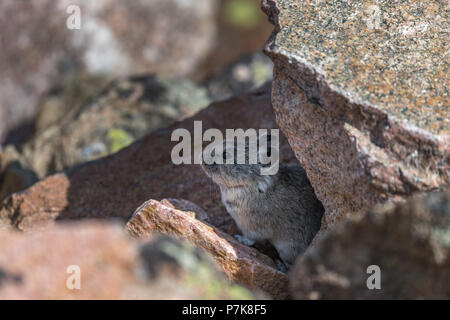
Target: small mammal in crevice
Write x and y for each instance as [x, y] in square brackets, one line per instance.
[281, 208]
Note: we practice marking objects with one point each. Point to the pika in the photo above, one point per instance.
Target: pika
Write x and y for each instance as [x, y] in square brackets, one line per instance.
[280, 208]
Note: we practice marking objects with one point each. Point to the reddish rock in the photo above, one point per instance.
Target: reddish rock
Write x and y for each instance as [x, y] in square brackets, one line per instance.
[35, 264]
[116, 185]
[112, 265]
[113, 187]
[410, 243]
[242, 264]
[188, 207]
[48, 197]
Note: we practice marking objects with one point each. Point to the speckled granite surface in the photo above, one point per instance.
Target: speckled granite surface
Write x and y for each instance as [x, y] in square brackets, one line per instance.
[392, 54]
[361, 91]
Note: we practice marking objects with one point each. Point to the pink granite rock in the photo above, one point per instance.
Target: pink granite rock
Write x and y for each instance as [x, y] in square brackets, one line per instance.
[240, 263]
[367, 119]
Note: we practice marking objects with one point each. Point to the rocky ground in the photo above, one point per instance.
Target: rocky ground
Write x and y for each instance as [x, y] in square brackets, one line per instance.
[113, 266]
[190, 39]
[94, 185]
[115, 186]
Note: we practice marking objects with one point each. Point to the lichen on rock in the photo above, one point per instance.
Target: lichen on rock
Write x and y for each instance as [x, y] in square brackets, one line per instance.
[106, 119]
[367, 119]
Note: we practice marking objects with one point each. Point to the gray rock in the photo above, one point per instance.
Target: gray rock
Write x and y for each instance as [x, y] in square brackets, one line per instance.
[360, 90]
[410, 243]
[116, 38]
[123, 111]
[246, 74]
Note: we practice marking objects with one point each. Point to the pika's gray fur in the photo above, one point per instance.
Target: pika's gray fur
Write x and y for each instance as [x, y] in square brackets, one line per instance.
[280, 208]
